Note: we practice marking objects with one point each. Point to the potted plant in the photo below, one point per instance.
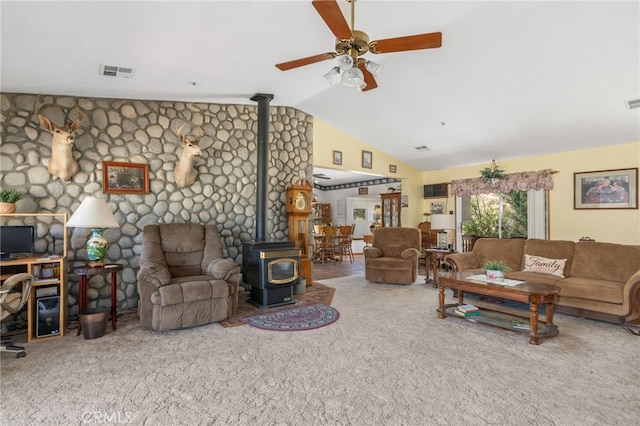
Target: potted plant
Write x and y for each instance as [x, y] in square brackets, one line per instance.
[8, 199]
[492, 174]
[495, 269]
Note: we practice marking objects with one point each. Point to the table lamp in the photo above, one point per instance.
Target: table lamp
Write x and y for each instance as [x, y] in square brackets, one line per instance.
[94, 213]
[442, 223]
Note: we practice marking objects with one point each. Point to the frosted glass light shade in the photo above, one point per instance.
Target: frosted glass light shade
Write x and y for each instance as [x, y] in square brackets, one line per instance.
[333, 76]
[345, 62]
[373, 67]
[353, 78]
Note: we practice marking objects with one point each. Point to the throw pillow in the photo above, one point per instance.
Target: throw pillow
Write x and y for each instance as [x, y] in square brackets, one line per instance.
[544, 266]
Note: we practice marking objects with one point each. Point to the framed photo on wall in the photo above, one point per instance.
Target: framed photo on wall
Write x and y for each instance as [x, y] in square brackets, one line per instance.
[367, 159]
[606, 189]
[392, 168]
[125, 178]
[363, 190]
[337, 158]
[437, 208]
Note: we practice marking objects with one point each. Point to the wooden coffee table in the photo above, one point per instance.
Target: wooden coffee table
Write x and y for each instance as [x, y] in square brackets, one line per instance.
[533, 294]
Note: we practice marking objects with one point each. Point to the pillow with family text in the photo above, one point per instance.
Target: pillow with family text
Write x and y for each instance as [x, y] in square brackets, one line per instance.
[543, 265]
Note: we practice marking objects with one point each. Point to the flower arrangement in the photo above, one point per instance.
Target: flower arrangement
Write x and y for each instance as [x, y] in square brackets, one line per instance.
[490, 174]
[495, 269]
[495, 265]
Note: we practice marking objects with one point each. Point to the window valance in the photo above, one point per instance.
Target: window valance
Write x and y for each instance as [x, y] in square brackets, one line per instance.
[522, 181]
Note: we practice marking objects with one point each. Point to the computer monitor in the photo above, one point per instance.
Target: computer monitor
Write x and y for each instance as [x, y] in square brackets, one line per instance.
[16, 240]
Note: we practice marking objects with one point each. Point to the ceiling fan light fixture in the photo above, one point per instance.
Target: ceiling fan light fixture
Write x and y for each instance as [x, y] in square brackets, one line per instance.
[333, 76]
[345, 62]
[353, 78]
[373, 68]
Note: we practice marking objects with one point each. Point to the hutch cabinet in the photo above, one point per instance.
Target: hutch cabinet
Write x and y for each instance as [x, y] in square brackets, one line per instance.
[321, 213]
[391, 204]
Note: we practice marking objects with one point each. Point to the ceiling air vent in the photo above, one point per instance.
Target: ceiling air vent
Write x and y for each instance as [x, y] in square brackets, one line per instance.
[115, 71]
[422, 148]
[633, 104]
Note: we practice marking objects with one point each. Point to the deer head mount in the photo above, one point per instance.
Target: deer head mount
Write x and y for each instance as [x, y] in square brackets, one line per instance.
[62, 163]
[185, 174]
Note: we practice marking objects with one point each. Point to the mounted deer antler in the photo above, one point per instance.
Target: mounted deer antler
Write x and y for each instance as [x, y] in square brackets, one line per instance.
[61, 164]
[185, 174]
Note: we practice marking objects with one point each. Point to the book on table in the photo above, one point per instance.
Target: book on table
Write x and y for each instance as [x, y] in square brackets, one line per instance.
[469, 313]
[520, 325]
[467, 308]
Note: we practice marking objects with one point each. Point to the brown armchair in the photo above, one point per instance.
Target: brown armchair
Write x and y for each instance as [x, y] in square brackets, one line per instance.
[184, 278]
[393, 256]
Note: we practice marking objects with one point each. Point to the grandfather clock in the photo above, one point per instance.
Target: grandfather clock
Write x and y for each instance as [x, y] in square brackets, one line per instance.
[298, 207]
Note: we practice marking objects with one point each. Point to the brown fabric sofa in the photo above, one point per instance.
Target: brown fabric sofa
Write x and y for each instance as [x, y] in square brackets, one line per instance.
[599, 280]
[393, 256]
[184, 278]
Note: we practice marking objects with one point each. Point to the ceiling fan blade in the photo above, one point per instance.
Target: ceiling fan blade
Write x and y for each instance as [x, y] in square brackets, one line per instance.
[333, 17]
[401, 44]
[305, 61]
[368, 77]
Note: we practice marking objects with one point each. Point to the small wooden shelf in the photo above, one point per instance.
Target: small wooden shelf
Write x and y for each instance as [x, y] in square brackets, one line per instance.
[503, 320]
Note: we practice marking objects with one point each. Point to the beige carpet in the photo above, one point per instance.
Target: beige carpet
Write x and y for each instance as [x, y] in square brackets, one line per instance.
[388, 360]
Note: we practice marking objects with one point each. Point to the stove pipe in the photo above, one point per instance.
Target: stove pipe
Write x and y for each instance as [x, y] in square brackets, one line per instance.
[263, 100]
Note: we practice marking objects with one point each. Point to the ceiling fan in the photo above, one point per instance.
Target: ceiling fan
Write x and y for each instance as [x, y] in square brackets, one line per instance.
[352, 43]
[321, 176]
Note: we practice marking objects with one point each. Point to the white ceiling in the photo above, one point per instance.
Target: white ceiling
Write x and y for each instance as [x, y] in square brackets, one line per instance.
[512, 79]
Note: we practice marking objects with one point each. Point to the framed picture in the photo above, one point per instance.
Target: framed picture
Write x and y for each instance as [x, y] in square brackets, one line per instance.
[606, 189]
[437, 208]
[392, 168]
[337, 158]
[404, 201]
[363, 190]
[125, 178]
[367, 160]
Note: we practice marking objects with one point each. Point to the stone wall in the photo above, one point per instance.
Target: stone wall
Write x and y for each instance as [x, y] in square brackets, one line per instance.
[135, 131]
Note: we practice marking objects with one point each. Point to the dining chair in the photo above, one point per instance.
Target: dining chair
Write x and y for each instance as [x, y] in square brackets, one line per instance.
[328, 248]
[345, 241]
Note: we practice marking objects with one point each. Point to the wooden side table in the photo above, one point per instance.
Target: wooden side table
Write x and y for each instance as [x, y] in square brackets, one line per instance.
[435, 257]
[84, 272]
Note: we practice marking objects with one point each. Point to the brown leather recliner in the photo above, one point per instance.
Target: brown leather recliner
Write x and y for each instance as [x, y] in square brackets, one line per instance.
[184, 278]
[393, 256]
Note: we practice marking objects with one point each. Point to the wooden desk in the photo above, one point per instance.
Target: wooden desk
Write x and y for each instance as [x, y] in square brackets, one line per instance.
[84, 272]
[435, 257]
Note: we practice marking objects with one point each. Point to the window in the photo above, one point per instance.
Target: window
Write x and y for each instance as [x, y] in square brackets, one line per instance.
[517, 214]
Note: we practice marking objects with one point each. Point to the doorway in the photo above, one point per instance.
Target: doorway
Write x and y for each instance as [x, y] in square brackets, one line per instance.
[362, 212]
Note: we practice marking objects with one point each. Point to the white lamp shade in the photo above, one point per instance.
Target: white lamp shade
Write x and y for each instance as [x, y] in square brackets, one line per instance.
[93, 212]
[443, 221]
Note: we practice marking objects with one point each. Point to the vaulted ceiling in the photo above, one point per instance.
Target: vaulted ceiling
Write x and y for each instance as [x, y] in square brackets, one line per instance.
[512, 79]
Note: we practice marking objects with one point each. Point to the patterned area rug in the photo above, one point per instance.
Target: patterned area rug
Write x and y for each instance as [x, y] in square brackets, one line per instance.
[315, 293]
[296, 319]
